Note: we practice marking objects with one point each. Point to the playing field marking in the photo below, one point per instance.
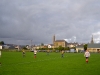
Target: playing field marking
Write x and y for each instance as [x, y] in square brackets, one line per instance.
[32, 61]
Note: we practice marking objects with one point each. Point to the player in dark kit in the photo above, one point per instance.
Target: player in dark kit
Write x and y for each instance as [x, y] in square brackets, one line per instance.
[23, 53]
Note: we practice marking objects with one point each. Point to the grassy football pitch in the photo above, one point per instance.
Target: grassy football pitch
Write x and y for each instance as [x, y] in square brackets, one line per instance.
[13, 63]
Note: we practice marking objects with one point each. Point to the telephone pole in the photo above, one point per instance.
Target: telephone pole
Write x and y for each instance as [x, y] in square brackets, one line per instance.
[31, 45]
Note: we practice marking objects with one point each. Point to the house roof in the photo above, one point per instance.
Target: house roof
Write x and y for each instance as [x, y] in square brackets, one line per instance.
[93, 45]
[51, 44]
[80, 46]
[60, 41]
[72, 43]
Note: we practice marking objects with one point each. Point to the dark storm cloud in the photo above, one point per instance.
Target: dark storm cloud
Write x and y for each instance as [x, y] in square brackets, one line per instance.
[38, 20]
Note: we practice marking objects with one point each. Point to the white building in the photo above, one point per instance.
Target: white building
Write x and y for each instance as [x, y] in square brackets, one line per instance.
[0, 47]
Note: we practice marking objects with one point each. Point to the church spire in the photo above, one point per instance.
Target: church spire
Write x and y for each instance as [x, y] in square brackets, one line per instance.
[92, 41]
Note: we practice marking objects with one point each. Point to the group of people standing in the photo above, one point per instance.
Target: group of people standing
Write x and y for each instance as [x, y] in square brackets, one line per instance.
[86, 55]
[35, 52]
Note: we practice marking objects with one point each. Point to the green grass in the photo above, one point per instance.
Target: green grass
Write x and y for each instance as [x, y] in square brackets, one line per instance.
[72, 64]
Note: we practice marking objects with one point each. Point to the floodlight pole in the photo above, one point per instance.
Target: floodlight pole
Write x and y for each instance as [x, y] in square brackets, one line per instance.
[31, 45]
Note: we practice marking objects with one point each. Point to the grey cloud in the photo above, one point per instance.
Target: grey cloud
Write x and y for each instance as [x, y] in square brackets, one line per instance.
[38, 20]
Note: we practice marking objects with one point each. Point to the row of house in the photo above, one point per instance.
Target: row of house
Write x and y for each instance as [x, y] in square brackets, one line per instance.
[10, 46]
[57, 43]
[92, 47]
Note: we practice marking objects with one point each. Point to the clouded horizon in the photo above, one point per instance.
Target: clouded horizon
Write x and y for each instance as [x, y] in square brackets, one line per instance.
[38, 20]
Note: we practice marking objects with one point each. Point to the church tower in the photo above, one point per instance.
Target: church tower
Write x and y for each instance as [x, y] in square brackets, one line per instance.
[53, 39]
[92, 41]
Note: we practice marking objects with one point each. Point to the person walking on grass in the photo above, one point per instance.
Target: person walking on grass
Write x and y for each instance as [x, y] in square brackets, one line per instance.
[0, 56]
[62, 53]
[35, 52]
[0, 53]
[87, 55]
[23, 53]
[48, 52]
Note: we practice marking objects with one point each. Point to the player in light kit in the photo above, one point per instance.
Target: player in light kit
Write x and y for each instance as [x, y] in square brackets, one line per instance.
[35, 52]
[87, 55]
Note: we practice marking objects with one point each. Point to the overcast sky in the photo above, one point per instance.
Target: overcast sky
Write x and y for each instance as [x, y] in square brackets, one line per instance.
[38, 20]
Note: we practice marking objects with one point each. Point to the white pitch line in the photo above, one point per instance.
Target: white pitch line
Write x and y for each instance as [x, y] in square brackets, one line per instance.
[34, 61]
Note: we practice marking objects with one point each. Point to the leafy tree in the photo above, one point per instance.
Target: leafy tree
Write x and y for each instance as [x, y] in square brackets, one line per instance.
[85, 47]
[42, 44]
[2, 43]
[61, 48]
[56, 48]
[68, 48]
[25, 48]
[74, 48]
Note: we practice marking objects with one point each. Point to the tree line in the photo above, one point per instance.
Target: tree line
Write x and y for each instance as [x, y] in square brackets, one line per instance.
[58, 48]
